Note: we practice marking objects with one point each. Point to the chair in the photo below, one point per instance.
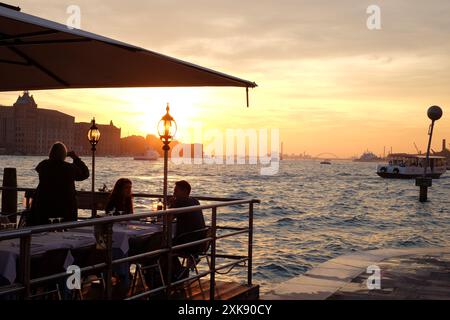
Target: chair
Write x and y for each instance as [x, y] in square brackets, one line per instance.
[10, 218]
[191, 256]
[43, 265]
[144, 266]
[88, 256]
[24, 217]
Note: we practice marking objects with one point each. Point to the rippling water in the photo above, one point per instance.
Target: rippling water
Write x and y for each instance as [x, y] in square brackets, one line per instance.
[308, 214]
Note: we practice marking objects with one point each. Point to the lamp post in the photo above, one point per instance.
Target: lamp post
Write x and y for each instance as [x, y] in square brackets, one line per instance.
[167, 127]
[93, 136]
[424, 182]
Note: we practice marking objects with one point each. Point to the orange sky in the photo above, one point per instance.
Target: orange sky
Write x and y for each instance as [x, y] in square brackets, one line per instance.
[326, 81]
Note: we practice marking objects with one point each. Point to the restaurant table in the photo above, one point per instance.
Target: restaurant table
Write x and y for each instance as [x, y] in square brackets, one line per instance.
[73, 239]
[40, 243]
[123, 232]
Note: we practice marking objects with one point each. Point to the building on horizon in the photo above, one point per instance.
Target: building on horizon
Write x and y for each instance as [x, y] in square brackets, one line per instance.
[26, 129]
[109, 144]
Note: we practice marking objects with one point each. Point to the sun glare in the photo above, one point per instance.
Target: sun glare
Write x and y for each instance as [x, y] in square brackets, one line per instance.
[147, 106]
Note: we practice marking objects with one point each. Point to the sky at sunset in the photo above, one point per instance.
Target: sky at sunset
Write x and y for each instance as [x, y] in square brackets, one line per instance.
[324, 79]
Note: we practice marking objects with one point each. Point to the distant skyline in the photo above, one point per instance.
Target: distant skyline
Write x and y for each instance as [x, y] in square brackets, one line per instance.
[326, 81]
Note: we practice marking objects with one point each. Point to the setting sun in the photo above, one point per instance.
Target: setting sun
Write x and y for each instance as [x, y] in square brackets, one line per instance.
[148, 106]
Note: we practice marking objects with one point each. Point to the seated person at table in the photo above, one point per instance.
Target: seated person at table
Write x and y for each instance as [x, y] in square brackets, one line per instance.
[189, 221]
[121, 198]
[55, 195]
[186, 223]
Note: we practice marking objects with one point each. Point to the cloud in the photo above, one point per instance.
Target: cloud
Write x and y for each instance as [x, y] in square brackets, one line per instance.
[314, 60]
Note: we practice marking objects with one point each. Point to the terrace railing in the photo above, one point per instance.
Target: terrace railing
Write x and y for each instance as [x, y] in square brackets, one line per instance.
[24, 282]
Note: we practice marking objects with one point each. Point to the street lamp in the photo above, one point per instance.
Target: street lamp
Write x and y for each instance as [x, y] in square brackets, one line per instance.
[424, 182]
[93, 136]
[167, 127]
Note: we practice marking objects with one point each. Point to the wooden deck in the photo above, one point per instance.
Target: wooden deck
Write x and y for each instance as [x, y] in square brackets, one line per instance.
[223, 291]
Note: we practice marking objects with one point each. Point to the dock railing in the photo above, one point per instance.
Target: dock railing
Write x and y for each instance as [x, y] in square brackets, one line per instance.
[24, 283]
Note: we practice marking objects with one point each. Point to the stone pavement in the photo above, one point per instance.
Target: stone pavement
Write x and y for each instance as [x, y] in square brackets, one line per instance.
[412, 273]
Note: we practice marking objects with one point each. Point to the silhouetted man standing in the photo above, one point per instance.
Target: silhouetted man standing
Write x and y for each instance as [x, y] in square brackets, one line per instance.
[55, 195]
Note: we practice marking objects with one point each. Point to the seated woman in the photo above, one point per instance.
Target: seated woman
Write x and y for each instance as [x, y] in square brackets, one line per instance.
[121, 202]
[121, 198]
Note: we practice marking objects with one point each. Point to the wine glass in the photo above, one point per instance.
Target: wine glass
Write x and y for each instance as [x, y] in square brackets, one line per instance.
[60, 219]
[52, 221]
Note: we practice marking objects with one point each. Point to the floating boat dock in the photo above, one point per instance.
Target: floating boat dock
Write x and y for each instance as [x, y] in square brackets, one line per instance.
[410, 273]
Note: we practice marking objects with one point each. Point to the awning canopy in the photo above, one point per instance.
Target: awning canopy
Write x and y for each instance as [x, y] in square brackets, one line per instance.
[40, 54]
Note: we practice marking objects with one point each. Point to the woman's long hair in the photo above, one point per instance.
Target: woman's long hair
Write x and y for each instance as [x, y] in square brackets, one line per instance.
[117, 200]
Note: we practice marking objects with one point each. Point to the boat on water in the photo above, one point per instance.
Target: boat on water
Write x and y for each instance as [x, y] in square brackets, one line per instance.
[444, 153]
[368, 157]
[150, 155]
[410, 166]
[325, 162]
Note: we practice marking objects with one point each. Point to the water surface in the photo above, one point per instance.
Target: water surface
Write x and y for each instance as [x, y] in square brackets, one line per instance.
[308, 214]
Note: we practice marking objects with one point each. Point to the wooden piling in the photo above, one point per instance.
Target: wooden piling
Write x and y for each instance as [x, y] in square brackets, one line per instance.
[424, 183]
[9, 197]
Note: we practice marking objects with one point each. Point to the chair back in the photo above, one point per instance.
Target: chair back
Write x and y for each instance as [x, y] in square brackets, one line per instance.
[47, 263]
[88, 256]
[24, 219]
[192, 236]
[145, 244]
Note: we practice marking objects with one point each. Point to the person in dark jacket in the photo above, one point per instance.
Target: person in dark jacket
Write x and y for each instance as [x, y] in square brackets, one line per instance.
[55, 195]
[189, 221]
[186, 223]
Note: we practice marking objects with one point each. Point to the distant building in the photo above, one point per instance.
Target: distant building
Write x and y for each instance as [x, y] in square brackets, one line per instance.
[444, 153]
[109, 144]
[133, 145]
[28, 130]
[25, 129]
[7, 134]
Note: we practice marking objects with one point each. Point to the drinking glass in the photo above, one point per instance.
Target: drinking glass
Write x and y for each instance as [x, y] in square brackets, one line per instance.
[60, 219]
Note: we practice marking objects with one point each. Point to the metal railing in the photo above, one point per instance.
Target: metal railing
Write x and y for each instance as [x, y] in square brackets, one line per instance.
[24, 282]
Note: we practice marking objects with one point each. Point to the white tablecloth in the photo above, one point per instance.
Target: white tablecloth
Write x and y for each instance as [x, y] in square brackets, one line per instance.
[40, 243]
[123, 232]
[76, 238]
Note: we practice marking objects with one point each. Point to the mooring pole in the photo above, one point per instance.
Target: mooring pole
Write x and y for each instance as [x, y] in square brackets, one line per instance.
[9, 197]
[424, 182]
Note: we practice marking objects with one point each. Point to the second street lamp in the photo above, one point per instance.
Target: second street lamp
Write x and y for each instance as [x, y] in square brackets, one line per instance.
[93, 136]
[167, 127]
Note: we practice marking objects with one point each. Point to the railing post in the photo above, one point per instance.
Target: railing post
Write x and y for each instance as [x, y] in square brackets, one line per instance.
[169, 218]
[250, 243]
[9, 197]
[28, 198]
[108, 280]
[25, 262]
[212, 276]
